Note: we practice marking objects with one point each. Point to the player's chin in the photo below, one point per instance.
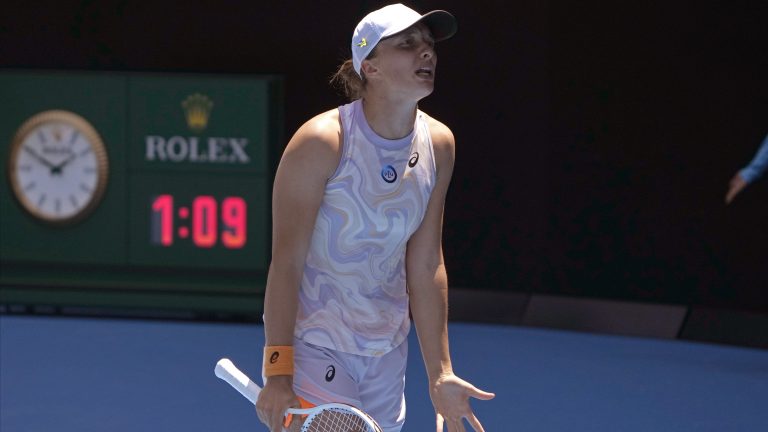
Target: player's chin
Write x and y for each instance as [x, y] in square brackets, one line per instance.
[417, 96]
[424, 87]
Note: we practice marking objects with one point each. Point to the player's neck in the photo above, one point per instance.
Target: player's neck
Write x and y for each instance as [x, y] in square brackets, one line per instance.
[390, 119]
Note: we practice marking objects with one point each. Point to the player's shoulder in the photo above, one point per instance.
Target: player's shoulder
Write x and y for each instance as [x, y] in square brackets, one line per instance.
[323, 128]
[443, 141]
[318, 135]
[442, 136]
[316, 145]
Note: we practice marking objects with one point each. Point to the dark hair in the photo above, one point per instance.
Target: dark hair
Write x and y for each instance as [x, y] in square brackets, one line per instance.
[347, 79]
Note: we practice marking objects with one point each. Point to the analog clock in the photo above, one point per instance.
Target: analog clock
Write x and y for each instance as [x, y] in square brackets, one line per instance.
[58, 167]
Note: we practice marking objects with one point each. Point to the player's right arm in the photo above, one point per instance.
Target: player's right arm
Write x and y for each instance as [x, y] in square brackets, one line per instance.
[309, 160]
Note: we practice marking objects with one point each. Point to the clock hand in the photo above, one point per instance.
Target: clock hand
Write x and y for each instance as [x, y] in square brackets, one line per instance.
[57, 169]
[43, 160]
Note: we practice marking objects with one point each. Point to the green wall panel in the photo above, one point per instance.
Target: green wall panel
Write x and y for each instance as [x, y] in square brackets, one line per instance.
[206, 142]
[101, 99]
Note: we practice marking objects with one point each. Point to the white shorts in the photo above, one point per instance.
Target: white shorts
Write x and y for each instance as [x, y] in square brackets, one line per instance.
[376, 385]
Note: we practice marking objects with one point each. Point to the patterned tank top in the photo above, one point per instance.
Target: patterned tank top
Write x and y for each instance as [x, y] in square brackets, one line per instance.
[353, 295]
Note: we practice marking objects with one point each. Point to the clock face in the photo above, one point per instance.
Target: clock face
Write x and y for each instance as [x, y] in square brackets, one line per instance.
[58, 167]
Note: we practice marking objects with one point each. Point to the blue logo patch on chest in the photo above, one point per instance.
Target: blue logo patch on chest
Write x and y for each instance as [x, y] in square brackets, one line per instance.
[389, 174]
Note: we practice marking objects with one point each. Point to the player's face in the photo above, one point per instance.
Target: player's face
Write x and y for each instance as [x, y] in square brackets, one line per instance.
[406, 62]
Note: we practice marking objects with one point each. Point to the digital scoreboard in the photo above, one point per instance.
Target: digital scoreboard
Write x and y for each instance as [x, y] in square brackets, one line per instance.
[139, 190]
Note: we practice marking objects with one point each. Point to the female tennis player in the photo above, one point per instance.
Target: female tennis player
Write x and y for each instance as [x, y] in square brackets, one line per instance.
[357, 224]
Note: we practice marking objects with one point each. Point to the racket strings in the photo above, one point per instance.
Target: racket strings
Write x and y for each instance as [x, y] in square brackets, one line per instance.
[336, 420]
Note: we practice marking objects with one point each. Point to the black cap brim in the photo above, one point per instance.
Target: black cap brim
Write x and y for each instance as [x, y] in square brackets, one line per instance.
[441, 23]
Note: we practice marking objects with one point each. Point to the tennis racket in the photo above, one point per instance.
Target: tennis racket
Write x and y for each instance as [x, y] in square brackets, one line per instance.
[334, 417]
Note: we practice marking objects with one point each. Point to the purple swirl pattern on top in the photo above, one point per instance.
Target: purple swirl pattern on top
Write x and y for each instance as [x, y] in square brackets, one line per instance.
[353, 292]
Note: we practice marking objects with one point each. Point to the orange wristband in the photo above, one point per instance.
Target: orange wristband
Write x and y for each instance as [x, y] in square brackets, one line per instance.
[278, 360]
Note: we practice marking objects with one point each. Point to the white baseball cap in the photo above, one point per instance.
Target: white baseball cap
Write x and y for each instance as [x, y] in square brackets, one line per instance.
[391, 20]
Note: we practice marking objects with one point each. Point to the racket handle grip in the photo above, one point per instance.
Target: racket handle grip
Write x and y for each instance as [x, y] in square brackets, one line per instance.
[227, 371]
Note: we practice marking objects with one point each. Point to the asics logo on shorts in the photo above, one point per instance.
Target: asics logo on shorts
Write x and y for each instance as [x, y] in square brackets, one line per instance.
[330, 373]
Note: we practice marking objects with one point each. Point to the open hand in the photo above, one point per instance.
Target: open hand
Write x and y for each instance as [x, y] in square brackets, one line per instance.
[450, 396]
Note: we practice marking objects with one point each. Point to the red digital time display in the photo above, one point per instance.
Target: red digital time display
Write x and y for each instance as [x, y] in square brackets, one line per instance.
[207, 222]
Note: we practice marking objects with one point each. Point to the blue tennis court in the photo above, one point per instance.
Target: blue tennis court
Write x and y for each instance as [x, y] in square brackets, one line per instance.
[95, 374]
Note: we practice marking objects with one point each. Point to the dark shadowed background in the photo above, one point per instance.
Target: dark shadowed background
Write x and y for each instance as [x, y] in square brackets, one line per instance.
[595, 140]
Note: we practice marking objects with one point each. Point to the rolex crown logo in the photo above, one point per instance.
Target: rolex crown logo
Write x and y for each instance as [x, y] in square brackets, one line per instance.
[57, 133]
[197, 109]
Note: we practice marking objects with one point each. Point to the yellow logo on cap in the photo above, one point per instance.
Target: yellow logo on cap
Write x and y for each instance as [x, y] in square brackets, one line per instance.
[362, 43]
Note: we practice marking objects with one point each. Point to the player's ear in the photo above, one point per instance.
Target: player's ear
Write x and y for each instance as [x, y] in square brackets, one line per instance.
[369, 69]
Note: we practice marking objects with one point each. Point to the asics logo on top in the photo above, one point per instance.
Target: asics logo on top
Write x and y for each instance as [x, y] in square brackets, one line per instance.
[389, 174]
[330, 373]
[413, 160]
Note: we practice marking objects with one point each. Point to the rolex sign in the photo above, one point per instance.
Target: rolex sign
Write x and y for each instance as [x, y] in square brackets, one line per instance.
[193, 124]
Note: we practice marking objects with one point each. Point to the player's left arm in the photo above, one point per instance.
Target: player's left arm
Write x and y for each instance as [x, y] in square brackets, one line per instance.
[428, 291]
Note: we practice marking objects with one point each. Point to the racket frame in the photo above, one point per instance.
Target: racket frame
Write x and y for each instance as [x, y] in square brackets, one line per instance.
[227, 371]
